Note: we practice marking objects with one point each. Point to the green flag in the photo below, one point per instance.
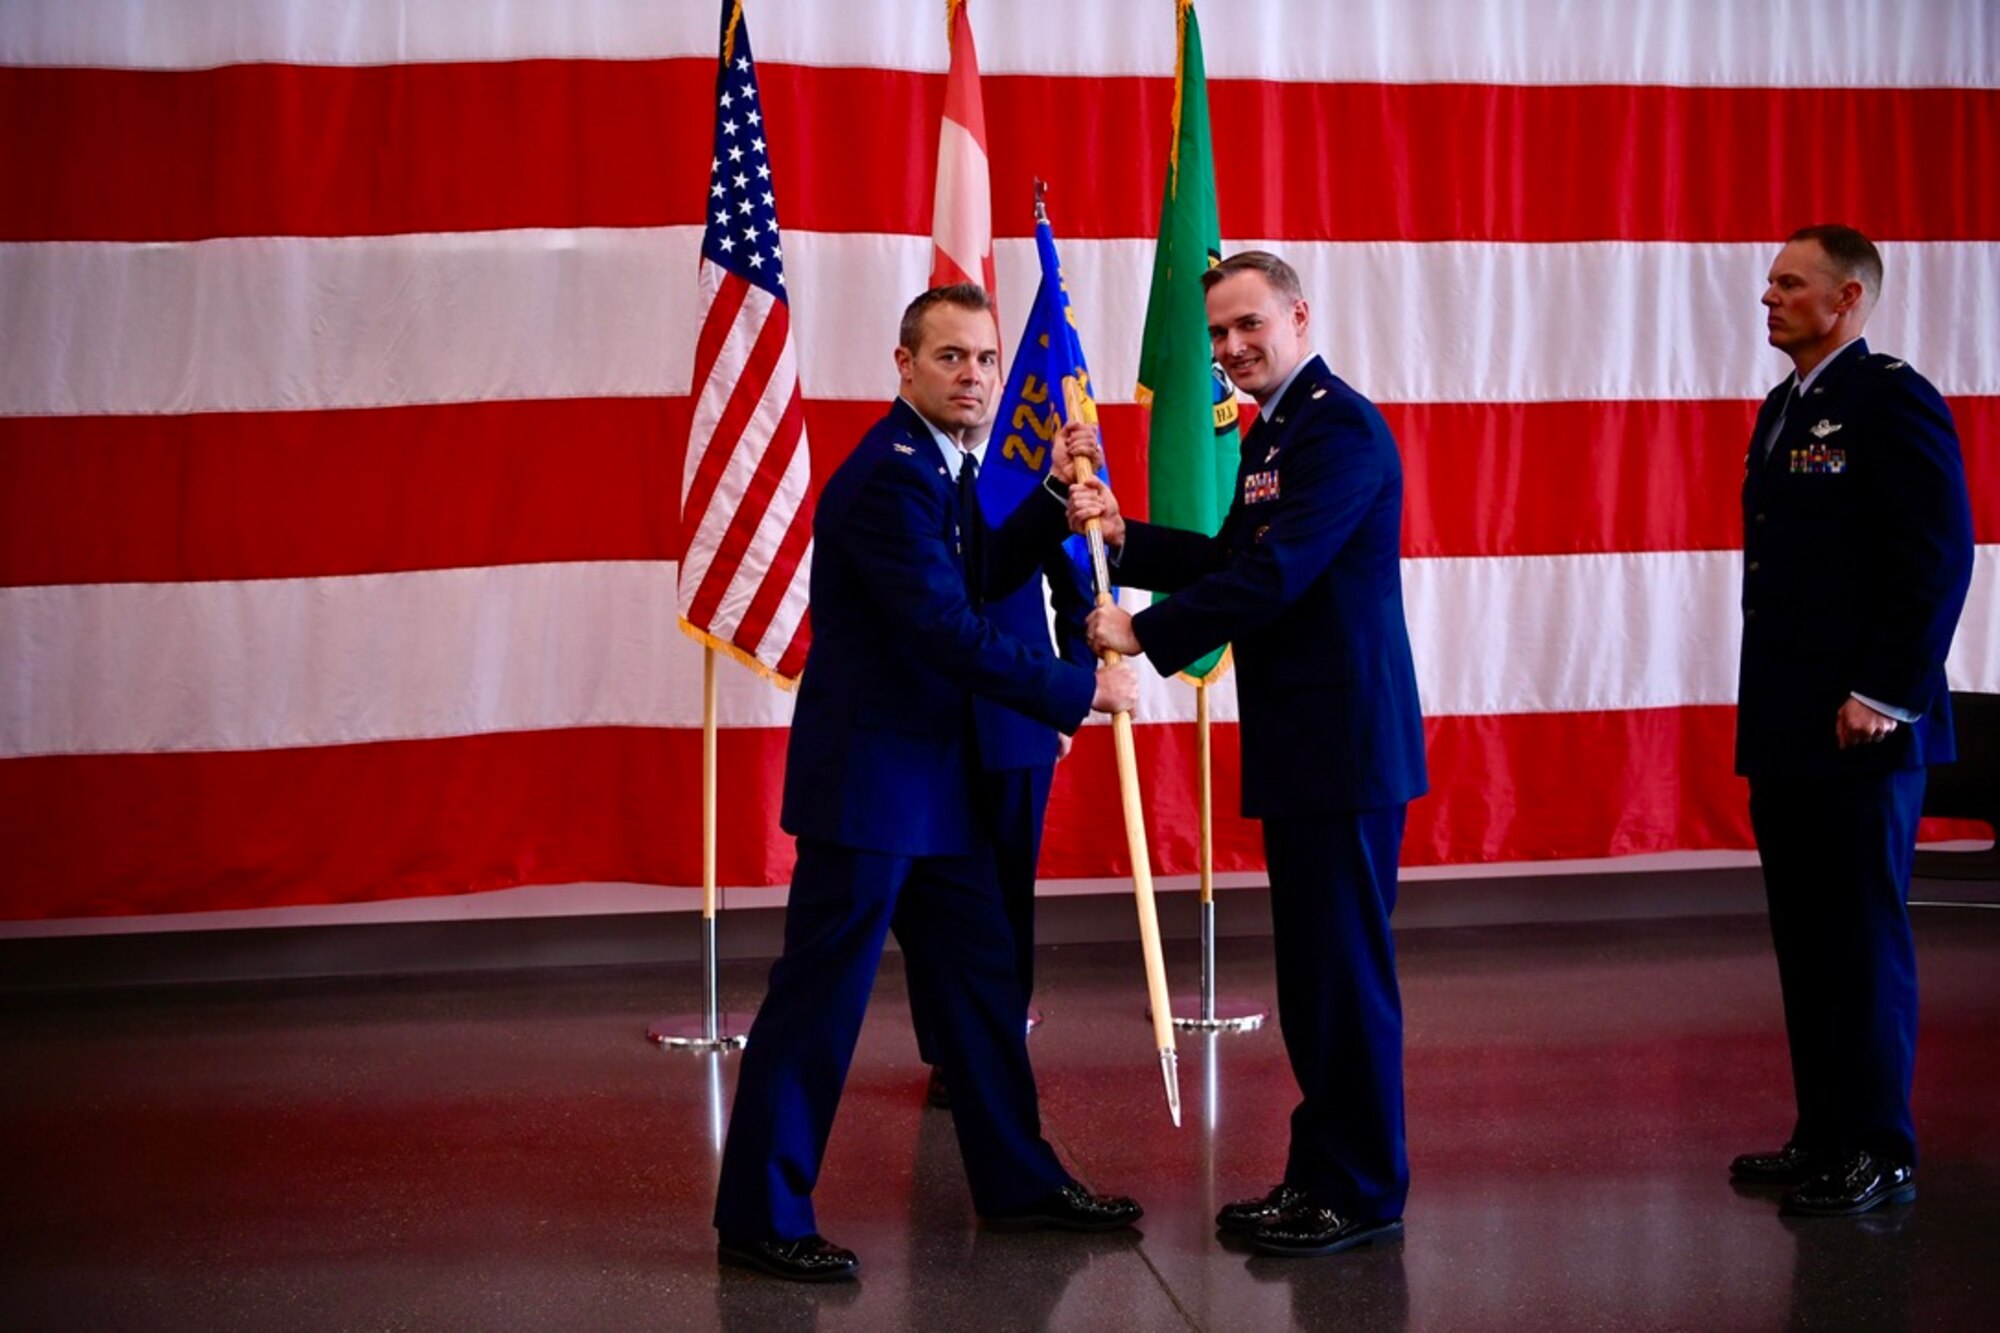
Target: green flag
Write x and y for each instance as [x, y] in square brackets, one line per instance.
[1192, 441]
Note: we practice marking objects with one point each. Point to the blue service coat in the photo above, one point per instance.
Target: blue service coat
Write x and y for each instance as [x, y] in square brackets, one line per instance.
[882, 745]
[1857, 554]
[1303, 579]
[1009, 738]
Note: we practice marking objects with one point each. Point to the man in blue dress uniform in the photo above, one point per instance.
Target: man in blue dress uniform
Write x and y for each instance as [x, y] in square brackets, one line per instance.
[879, 780]
[1857, 553]
[1303, 579]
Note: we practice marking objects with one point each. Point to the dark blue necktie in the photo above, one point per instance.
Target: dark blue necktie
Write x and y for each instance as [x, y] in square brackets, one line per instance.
[972, 528]
[1778, 426]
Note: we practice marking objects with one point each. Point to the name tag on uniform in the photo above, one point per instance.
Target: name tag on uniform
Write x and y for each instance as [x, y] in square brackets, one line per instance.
[1818, 460]
[1260, 486]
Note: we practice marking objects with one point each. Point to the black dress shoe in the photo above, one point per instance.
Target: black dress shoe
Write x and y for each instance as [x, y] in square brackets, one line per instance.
[809, 1259]
[1071, 1208]
[1306, 1229]
[1859, 1183]
[936, 1093]
[1245, 1215]
[1787, 1166]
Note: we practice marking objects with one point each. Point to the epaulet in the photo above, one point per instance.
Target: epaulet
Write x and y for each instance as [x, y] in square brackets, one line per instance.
[1882, 362]
[912, 452]
[1322, 387]
[893, 442]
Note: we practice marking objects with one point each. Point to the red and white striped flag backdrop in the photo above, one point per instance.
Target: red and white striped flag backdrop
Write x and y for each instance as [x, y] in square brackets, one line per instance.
[344, 392]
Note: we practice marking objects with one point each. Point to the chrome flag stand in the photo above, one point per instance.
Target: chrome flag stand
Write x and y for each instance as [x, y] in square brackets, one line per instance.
[1203, 1012]
[710, 1029]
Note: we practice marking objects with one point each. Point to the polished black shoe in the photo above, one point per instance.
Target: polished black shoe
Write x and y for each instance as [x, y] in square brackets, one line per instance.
[809, 1259]
[937, 1094]
[1245, 1215]
[1787, 1166]
[1306, 1229]
[1859, 1183]
[1071, 1208]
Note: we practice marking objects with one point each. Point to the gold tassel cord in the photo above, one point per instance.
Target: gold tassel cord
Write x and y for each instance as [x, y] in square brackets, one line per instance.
[729, 33]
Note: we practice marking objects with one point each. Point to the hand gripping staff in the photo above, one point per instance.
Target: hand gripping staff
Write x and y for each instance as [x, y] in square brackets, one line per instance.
[1081, 409]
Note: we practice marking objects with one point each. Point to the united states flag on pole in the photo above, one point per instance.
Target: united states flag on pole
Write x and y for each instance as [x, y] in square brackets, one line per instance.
[744, 487]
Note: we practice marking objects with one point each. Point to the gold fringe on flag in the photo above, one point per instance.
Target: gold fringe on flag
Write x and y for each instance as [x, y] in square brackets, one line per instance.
[1181, 8]
[728, 649]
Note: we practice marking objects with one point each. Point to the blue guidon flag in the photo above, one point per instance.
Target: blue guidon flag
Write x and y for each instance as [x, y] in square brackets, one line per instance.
[1048, 375]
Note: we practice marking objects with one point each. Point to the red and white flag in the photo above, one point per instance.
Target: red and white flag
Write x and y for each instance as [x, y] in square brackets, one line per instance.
[962, 211]
[745, 504]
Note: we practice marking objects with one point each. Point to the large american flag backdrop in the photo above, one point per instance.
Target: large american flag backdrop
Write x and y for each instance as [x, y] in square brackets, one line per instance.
[344, 393]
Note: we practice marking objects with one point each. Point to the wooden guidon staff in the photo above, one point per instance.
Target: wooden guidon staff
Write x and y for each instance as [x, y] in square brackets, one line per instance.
[1128, 792]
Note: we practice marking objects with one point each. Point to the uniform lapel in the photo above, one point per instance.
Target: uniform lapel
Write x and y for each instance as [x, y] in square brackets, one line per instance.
[1267, 434]
[1775, 407]
[1804, 413]
[964, 537]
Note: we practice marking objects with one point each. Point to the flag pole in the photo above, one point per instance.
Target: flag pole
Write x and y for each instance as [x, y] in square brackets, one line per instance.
[1205, 1013]
[708, 1031]
[1207, 853]
[1135, 823]
[1192, 416]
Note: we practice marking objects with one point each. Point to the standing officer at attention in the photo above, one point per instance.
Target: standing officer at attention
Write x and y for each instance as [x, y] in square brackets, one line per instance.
[879, 777]
[1857, 552]
[1303, 579]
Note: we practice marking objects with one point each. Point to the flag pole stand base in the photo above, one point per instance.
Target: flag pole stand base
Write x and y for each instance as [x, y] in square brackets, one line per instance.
[709, 1030]
[691, 1032]
[1224, 1015]
[1204, 1012]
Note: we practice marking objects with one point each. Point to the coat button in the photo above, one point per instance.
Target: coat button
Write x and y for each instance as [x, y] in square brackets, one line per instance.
[1759, 520]
[1751, 614]
[1753, 566]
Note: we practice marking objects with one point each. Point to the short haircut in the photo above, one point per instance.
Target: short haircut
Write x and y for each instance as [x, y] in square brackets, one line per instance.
[964, 295]
[1284, 279]
[1853, 255]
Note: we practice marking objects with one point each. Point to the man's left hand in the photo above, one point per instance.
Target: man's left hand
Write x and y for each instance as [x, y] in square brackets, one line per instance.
[1110, 628]
[1858, 724]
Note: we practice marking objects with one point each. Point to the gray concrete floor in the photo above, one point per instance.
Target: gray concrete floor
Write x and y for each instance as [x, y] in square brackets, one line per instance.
[506, 1150]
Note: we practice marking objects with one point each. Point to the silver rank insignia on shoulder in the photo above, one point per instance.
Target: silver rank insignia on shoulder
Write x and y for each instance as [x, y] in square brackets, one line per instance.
[1318, 394]
[903, 449]
[1895, 365]
[1824, 429]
